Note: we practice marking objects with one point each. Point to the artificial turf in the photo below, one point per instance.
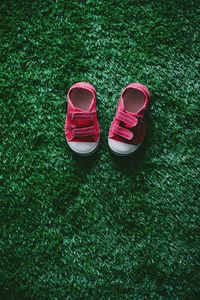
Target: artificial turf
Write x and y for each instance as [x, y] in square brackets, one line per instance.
[103, 227]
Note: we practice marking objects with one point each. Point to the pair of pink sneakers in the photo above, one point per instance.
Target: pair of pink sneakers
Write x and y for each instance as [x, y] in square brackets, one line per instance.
[127, 130]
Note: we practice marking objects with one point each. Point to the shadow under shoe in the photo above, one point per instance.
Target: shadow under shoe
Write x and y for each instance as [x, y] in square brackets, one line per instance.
[129, 163]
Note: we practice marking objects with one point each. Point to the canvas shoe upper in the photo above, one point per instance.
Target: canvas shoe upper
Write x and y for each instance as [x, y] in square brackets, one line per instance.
[81, 126]
[128, 129]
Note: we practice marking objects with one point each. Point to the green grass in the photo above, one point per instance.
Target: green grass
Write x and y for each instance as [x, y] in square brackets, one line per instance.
[99, 228]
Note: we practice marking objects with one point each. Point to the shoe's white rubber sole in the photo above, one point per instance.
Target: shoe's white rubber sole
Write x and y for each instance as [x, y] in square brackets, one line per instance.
[84, 148]
[121, 149]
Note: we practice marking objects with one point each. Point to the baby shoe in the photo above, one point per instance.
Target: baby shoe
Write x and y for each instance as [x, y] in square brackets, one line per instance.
[128, 129]
[81, 126]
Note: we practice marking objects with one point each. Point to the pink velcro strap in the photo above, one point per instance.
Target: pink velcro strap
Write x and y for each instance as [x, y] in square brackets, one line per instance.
[126, 118]
[83, 115]
[123, 132]
[85, 131]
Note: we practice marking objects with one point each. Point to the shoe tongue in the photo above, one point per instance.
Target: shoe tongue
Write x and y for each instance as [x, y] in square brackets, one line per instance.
[140, 111]
[77, 109]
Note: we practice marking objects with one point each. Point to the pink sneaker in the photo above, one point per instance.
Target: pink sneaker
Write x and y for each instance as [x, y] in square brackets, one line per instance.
[128, 129]
[81, 126]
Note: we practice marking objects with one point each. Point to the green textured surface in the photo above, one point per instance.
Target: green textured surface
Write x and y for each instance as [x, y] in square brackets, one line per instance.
[99, 228]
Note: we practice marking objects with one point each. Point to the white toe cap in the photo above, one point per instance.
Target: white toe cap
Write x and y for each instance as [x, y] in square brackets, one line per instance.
[83, 148]
[121, 148]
